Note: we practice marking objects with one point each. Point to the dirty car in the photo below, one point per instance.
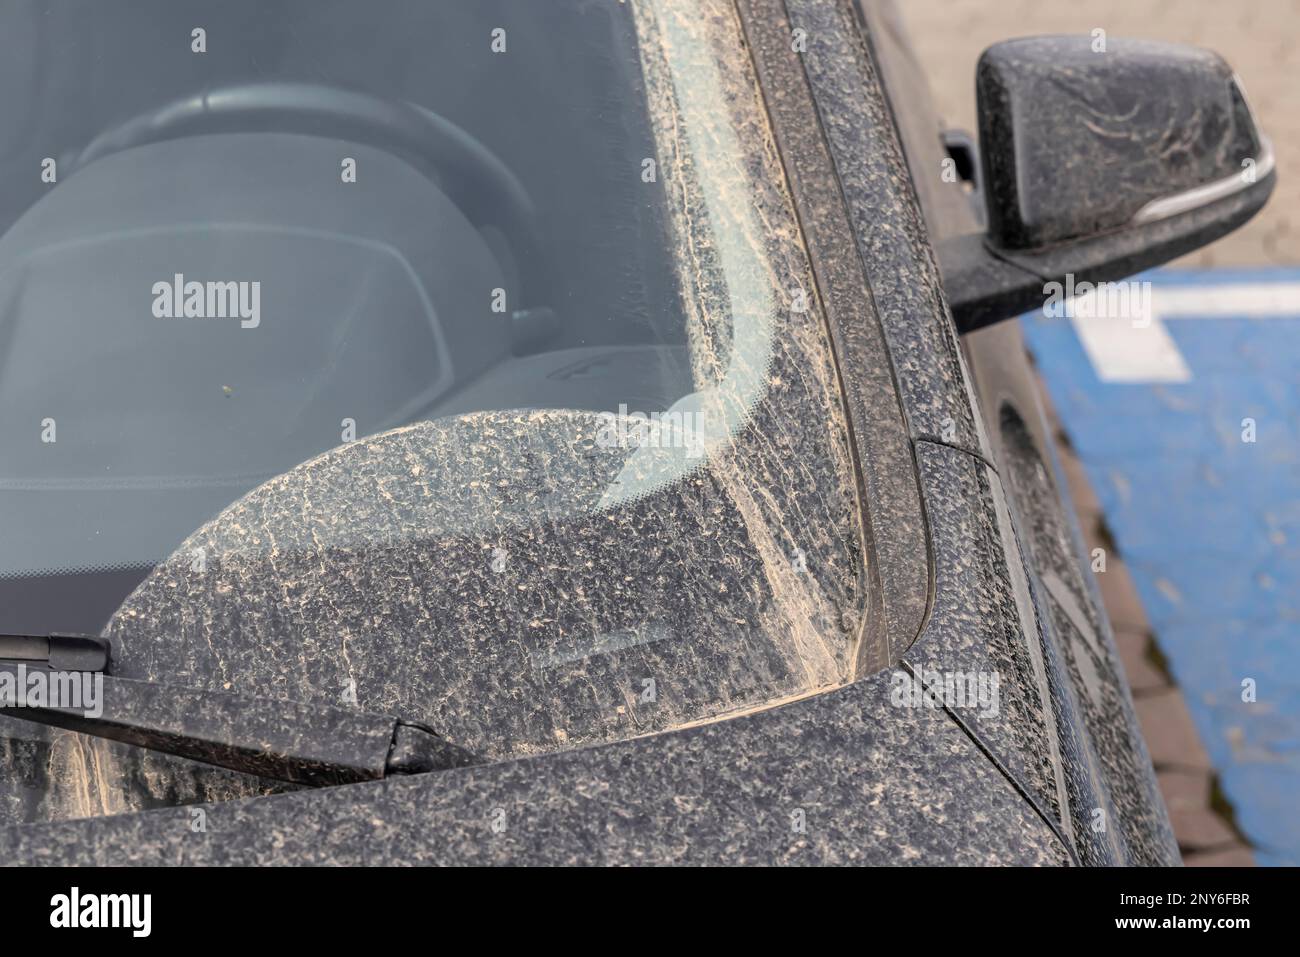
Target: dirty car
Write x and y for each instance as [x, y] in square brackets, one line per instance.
[573, 433]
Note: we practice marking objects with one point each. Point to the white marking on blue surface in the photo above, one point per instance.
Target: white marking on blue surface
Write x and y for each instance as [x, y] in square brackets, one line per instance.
[1139, 349]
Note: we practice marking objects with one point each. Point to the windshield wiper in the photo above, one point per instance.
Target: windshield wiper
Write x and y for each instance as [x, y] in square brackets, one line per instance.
[310, 744]
[58, 652]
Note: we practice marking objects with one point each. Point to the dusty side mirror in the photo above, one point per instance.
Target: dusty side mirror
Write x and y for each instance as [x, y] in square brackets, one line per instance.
[1099, 161]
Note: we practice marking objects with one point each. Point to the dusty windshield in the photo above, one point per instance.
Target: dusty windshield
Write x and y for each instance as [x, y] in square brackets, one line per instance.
[457, 361]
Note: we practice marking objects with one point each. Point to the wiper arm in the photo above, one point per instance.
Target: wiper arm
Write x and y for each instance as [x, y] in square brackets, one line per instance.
[58, 652]
[316, 745]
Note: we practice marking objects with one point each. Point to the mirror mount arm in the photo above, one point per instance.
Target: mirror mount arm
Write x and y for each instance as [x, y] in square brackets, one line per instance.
[986, 284]
[982, 287]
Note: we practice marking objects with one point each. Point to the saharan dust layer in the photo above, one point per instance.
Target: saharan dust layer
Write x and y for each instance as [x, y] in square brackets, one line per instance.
[482, 575]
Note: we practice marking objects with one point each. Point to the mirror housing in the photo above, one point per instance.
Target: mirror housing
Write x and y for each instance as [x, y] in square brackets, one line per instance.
[1100, 163]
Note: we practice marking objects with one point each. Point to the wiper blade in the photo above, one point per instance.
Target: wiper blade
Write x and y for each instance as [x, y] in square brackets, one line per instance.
[309, 744]
[58, 652]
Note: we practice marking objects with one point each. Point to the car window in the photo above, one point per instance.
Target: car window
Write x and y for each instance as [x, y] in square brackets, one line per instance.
[455, 361]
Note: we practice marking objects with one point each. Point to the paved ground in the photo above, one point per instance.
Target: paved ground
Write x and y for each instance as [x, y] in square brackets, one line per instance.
[1204, 823]
[1193, 451]
[1204, 595]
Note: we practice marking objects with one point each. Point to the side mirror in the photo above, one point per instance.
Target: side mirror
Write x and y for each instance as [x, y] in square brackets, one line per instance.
[1100, 164]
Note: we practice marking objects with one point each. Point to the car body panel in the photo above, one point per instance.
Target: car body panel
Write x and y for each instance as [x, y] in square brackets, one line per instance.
[848, 776]
[842, 777]
[1118, 813]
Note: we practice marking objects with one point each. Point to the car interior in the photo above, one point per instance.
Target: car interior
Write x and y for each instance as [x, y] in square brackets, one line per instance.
[497, 250]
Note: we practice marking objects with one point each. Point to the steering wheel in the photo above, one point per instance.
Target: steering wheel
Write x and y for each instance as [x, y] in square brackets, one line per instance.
[480, 184]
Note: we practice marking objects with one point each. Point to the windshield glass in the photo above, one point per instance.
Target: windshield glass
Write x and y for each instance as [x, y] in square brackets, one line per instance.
[459, 361]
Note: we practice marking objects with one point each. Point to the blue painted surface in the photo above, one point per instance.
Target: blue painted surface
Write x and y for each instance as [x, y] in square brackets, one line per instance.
[1210, 527]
